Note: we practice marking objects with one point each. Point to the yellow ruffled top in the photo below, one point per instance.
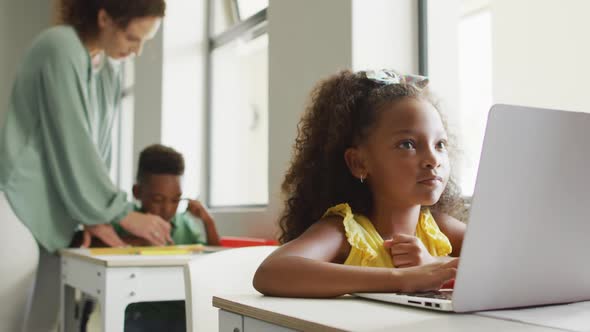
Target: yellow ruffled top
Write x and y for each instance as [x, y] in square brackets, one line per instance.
[367, 245]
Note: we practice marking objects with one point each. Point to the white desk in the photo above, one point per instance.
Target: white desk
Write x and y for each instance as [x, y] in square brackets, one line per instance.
[249, 313]
[116, 281]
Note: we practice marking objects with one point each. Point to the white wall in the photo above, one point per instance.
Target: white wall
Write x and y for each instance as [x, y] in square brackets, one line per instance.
[385, 35]
[20, 22]
[541, 53]
[443, 17]
[147, 94]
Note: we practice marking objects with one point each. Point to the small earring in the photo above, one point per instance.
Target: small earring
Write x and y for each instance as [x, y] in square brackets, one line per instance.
[362, 178]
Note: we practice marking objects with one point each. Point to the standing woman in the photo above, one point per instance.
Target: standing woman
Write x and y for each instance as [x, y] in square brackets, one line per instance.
[55, 152]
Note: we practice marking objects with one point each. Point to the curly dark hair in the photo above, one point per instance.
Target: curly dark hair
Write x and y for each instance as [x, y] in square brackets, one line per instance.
[82, 14]
[159, 159]
[340, 114]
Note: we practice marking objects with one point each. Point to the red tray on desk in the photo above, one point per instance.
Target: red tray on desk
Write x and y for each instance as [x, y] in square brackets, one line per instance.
[238, 241]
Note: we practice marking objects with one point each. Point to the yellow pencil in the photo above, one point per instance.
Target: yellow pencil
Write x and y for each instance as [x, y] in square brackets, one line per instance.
[163, 250]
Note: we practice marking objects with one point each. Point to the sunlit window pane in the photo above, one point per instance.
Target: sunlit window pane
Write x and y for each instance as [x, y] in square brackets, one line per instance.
[475, 91]
[247, 8]
[239, 123]
[224, 15]
[182, 87]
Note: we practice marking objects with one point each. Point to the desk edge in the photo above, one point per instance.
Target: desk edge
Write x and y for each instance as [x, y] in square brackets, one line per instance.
[270, 317]
[87, 258]
[123, 263]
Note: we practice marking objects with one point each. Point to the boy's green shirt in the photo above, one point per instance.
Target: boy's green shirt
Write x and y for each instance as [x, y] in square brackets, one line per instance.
[185, 229]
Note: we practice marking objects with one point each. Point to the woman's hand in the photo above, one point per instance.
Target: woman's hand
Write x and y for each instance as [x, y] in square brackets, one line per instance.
[408, 251]
[426, 277]
[148, 226]
[104, 232]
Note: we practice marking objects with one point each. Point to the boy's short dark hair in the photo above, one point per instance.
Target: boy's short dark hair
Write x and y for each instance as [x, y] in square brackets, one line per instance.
[159, 159]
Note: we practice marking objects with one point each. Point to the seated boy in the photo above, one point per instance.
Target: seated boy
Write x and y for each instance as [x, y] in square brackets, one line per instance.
[159, 191]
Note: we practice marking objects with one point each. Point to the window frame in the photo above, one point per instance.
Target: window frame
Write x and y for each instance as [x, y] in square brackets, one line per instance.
[423, 37]
[257, 25]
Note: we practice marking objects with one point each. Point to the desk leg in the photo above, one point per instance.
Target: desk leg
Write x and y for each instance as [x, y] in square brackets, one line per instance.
[113, 314]
[68, 308]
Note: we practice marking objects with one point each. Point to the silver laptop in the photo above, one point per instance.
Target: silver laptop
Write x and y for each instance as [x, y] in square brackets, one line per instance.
[527, 241]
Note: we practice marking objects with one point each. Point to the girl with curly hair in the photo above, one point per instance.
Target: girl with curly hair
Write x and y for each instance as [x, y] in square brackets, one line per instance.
[369, 197]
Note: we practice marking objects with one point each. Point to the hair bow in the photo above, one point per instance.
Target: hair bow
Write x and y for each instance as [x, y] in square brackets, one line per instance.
[388, 76]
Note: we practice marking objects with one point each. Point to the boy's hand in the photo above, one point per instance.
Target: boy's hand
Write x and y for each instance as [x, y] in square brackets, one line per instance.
[148, 226]
[407, 251]
[104, 232]
[198, 210]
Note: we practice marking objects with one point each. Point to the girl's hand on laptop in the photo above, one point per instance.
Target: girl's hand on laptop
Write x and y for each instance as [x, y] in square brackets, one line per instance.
[427, 277]
[148, 226]
[104, 232]
[408, 251]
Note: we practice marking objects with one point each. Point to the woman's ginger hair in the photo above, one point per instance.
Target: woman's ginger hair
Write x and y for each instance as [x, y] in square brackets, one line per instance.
[83, 14]
[340, 114]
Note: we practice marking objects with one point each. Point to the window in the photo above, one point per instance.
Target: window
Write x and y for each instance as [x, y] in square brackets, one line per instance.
[182, 88]
[459, 62]
[484, 52]
[238, 104]
[475, 91]
[247, 8]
